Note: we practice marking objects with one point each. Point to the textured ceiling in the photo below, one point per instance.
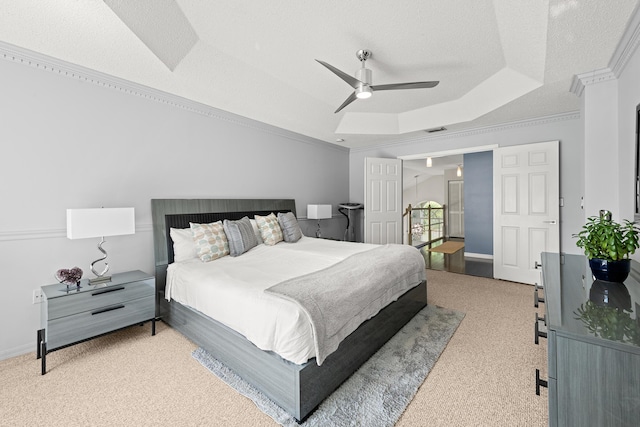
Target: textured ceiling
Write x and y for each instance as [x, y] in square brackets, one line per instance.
[497, 60]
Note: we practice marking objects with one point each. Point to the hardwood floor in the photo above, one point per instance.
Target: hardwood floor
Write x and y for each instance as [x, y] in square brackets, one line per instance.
[457, 262]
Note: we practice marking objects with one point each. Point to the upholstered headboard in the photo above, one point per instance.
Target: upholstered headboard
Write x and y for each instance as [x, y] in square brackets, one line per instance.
[177, 213]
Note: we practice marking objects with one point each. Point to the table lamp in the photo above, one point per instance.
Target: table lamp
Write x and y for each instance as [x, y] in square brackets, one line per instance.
[318, 212]
[87, 223]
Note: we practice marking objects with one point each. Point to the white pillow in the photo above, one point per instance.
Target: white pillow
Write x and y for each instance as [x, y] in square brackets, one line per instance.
[183, 247]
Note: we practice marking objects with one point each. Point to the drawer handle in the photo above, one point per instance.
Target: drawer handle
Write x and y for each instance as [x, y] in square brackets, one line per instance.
[537, 332]
[536, 299]
[540, 382]
[106, 291]
[104, 310]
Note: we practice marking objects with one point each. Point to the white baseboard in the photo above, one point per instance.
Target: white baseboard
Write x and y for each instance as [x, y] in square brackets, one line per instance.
[482, 256]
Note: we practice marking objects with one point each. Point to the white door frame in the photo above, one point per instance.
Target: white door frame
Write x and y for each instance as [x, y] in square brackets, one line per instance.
[450, 152]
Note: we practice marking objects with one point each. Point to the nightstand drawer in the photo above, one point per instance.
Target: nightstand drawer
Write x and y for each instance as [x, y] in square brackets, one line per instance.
[99, 320]
[100, 297]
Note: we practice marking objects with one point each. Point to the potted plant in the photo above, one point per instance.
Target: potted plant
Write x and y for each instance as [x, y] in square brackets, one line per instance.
[608, 245]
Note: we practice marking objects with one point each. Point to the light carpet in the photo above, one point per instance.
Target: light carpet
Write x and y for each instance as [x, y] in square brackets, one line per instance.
[448, 247]
[378, 393]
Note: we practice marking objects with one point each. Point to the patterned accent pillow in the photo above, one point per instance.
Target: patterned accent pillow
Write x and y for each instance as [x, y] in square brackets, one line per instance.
[211, 242]
[290, 227]
[270, 230]
[240, 235]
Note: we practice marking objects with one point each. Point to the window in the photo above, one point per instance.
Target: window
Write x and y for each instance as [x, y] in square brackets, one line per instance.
[427, 222]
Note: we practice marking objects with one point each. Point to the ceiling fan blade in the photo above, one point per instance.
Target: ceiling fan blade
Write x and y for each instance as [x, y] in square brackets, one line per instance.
[413, 85]
[352, 81]
[348, 101]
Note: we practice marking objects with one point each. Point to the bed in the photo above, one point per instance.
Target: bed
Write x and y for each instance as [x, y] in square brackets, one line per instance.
[297, 387]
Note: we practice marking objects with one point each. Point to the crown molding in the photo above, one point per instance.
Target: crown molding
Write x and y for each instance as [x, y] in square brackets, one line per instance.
[592, 77]
[572, 115]
[628, 43]
[624, 50]
[43, 62]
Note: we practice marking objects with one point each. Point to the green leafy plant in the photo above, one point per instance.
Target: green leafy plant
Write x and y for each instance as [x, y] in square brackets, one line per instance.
[603, 238]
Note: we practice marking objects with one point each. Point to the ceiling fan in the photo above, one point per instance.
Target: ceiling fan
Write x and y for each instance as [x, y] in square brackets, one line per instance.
[362, 82]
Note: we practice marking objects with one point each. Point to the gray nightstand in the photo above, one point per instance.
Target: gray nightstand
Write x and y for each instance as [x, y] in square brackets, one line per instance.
[78, 314]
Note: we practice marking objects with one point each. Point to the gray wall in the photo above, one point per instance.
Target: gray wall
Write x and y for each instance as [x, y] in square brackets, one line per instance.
[72, 138]
[478, 203]
[431, 189]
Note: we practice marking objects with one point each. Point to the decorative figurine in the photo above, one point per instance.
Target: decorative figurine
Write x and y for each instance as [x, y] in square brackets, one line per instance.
[69, 277]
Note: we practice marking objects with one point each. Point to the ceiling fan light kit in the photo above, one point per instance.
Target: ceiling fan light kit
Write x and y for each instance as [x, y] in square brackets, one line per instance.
[362, 83]
[363, 92]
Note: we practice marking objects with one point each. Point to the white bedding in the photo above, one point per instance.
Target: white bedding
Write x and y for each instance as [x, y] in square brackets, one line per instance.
[231, 291]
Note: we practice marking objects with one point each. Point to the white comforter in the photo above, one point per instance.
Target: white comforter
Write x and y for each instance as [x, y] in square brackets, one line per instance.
[231, 291]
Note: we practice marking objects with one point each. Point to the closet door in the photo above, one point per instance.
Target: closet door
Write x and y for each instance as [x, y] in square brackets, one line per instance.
[456, 209]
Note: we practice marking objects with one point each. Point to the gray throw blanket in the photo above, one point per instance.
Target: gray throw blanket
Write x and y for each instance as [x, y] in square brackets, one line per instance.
[340, 298]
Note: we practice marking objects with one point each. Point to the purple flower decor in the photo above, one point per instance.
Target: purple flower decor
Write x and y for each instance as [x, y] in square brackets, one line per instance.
[69, 277]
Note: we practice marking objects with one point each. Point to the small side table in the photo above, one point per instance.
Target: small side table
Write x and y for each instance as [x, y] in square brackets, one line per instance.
[71, 315]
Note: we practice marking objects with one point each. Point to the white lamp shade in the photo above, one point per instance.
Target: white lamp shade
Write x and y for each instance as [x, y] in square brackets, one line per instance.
[85, 223]
[318, 211]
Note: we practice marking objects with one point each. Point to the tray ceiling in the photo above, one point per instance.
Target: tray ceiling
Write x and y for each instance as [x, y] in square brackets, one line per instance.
[497, 60]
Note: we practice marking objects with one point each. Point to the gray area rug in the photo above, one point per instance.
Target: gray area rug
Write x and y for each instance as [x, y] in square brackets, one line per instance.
[376, 394]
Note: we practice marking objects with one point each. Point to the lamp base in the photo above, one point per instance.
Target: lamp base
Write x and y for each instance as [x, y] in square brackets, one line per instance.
[101, 275]
[99, 280]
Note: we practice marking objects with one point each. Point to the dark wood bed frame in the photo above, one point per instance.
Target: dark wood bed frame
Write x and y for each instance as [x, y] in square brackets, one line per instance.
[298, 389]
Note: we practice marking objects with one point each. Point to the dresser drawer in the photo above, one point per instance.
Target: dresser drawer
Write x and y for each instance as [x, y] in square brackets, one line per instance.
[71, 304]
[106, 318]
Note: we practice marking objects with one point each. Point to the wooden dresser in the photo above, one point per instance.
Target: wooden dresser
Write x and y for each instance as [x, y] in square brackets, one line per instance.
[593, 332]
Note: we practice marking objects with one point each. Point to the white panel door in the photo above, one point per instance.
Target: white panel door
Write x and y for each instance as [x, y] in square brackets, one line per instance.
[382, 200]
[456, 209]
[526, 209]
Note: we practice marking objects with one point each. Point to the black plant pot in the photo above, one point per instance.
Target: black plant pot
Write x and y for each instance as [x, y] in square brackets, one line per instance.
[610, 271]
[610, 294]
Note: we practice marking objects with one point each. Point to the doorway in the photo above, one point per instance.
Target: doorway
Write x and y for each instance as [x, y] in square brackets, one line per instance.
[441, 183]
[523, 184]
